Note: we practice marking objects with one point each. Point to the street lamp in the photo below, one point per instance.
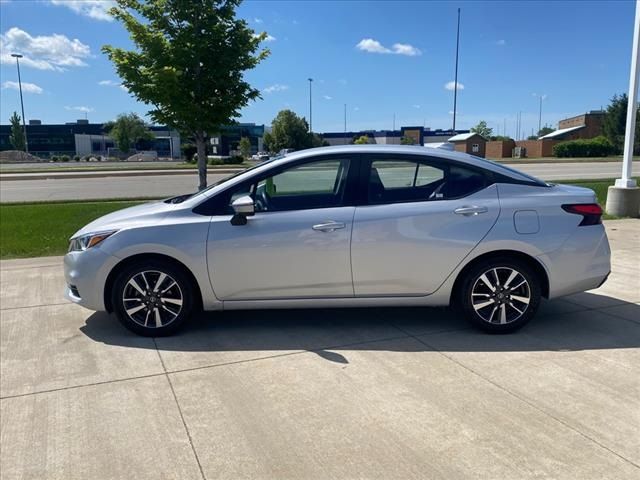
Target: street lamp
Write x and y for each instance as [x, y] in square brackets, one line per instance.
[310, 110]
[623, 198]
[541, 98]
[17, 56]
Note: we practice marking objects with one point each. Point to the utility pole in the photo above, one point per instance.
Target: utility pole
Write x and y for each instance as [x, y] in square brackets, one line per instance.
[345, 123]
[623, 197]
[310, 107]
[17, 56]
[455, 80]
[394, 122]
[540, 113]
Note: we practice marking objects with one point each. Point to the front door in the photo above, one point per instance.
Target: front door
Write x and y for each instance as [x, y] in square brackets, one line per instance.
[297, 243]
[421, 219]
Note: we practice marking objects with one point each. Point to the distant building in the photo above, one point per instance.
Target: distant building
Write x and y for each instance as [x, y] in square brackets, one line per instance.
[587, 125]
[471, 143]
[419, 135]
[84, 138]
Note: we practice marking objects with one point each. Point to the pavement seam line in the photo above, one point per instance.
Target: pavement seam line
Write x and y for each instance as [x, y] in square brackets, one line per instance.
[522, 399]
[203, 367]
[36, 306]
[184, 423]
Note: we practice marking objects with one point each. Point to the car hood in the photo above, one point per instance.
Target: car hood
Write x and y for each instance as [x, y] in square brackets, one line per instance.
[145, 214]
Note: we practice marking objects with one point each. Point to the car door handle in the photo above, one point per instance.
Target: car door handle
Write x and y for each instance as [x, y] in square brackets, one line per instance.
[472, 210]
[328, 226]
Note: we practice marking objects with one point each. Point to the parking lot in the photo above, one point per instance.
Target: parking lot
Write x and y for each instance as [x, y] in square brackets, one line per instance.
[353, 393]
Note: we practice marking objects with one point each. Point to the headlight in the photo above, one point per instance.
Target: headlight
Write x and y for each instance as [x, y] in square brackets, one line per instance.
[80, 244]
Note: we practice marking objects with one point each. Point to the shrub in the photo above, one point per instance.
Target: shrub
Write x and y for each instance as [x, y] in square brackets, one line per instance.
[216, 161]
[54, 158]
[236, 160]
[594, 147]
[76, 158]
[65, 158]
[188, 151]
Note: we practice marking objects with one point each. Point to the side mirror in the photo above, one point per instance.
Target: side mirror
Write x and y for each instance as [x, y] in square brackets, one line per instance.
[243, 207]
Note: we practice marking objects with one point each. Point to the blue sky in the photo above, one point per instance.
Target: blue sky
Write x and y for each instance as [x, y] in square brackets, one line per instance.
[380, 58]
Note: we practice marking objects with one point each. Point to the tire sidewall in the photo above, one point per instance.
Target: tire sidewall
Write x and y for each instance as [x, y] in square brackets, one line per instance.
[465, 302]
[176, 273]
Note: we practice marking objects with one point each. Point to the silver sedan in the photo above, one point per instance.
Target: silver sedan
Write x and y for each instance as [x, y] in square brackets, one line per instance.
[346, 226]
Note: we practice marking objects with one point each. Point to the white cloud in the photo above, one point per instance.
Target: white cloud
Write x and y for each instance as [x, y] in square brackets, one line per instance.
[327, 97]
[501, 42]
[374, 46]
[452, 86]
[258, 20]
[96, 9]
[80, 108]
[405, 49]
[276, 88]
[415, 106]
[355, 109]
[26, 87]
[108, 83]
[46, 52]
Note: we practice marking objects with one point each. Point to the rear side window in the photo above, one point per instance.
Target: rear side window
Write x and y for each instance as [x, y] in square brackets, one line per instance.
[393, 181]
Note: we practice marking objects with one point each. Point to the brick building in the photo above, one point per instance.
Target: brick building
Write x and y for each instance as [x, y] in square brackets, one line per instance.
[587, 125]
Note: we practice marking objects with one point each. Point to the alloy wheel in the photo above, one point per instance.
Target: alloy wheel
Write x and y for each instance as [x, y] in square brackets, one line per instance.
[501, 295]
[152, 299]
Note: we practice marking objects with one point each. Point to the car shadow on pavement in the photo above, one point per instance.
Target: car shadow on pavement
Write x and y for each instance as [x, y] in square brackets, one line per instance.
[559, 326]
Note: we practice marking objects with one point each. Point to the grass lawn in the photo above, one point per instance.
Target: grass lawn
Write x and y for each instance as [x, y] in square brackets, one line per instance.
[40, 229]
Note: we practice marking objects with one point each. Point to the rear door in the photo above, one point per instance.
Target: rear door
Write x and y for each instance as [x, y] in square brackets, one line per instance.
[420, 218]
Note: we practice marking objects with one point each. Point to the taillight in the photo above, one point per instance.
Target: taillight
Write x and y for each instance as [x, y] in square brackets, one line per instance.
[591, 212]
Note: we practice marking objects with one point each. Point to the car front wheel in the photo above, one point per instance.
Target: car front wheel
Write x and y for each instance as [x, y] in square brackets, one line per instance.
[152, 298]
[500, 296]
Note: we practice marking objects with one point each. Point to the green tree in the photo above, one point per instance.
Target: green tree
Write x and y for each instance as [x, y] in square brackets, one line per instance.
[288, 130]
[482, 129]
[16, 138]
[361, 140]
[126, 130]
[267, 142]
[245, 147]
[615, 122]
[407, 141]
[189, 62]
[532, 137]
[545, 130]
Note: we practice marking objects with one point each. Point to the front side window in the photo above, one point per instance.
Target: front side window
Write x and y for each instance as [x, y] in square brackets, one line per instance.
[393, 181]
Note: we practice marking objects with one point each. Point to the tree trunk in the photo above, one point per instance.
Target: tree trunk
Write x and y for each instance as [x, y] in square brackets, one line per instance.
[202, 161]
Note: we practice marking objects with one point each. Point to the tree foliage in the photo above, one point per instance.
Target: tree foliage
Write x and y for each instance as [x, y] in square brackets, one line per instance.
[482, 129]
[615, 122]
[188, 64]
[288, 130]
[545, 130]
[127, 130]
[407, 141]
[361, 140]
[245, 147]
[16, 138]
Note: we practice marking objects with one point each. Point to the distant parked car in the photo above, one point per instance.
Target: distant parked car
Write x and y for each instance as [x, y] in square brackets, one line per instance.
[285, 151]
[345, 227]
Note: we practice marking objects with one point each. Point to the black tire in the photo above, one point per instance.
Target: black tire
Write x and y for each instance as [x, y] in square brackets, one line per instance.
[501, 316]
[172, 315]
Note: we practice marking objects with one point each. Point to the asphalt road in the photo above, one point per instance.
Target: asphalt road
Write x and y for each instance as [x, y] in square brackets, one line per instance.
[104, 186]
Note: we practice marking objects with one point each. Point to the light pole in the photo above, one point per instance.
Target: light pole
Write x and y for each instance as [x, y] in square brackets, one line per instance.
[541, 98]
[17, 56]
[310, 107]
[345, 123]
[623, 198]
[455, 80]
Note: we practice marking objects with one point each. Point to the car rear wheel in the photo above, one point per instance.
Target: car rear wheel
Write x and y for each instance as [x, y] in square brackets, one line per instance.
[152, 298]
[500, 296]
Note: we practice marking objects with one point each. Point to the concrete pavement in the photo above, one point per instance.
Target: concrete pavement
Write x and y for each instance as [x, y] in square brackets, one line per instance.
[97, 185]
[366, 393]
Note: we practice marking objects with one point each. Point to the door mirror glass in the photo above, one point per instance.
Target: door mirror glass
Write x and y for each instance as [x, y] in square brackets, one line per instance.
[243, 205]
